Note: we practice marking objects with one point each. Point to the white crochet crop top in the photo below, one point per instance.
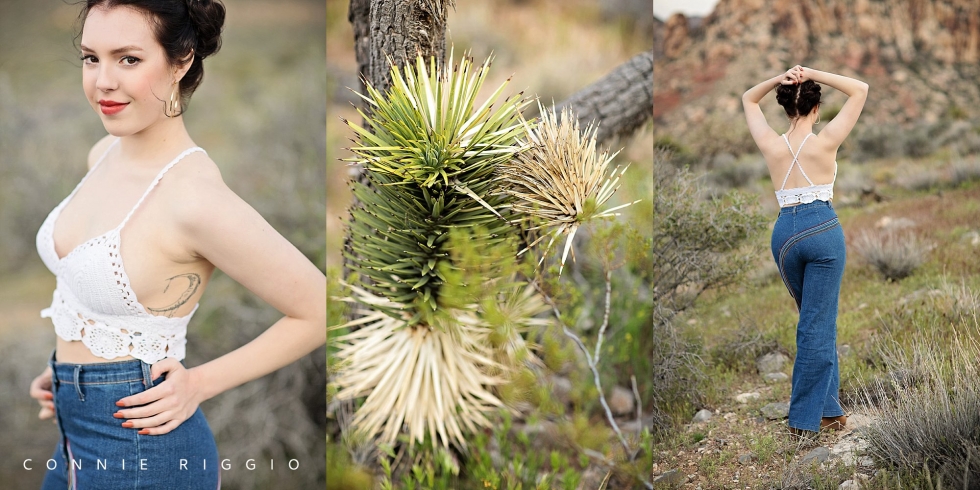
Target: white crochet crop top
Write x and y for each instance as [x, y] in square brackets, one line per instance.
[797, 195]
[94, 301]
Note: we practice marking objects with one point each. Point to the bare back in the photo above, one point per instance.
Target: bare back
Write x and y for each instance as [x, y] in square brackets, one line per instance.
[818, 162]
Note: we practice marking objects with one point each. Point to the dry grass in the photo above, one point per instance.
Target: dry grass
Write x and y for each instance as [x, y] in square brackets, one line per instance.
[894, 255]
[934, 426]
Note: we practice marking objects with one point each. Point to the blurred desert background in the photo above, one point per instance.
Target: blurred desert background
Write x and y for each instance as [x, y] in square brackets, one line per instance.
[260, 114]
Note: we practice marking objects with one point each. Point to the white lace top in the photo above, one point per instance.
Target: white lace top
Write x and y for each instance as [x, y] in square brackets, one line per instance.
[94, 301]
[797, 195]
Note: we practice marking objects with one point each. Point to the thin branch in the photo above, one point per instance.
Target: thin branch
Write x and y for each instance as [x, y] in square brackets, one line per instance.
[593, 361]
[639, 405]
[605, 317]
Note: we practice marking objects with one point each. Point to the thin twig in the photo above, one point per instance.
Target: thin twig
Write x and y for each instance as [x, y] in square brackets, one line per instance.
[593, 361]
[639, 405]
[605, 317]
[592, 365]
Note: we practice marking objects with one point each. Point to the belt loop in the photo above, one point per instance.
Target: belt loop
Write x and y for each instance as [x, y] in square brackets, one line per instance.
[78, 386]
[147, 380]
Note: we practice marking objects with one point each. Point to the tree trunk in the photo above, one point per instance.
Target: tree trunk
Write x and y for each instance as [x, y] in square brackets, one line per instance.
[621, 102]
[396, 29]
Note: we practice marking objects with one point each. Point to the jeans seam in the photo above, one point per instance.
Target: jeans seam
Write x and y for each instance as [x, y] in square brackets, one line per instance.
[69, 382]
[790, 242]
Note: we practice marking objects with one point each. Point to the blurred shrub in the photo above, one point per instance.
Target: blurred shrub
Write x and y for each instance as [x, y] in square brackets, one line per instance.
[877, 141]
[894, 255]
[919, 140]
[675, 153]
[718, 134]
[964, 170]
[739, 349]
[729, 173]
[918, 179]
[829, 113]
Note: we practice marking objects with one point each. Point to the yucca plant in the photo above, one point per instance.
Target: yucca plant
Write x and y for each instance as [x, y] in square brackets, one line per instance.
[430, 155]
[560, 182]
[437, 331]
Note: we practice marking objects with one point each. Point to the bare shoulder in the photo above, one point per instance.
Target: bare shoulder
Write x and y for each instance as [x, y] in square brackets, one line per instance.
[772, 147]
[825, 143]
[195, 190]
[99, 149]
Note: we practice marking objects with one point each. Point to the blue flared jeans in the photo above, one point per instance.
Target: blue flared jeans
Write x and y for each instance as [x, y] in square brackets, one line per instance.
[95, 452]
[808, 246]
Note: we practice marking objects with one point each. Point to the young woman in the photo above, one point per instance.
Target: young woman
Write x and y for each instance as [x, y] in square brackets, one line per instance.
[133, 248]
[807, 240]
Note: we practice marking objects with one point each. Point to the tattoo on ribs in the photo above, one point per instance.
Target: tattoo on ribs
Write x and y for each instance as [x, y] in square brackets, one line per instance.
[193, 281]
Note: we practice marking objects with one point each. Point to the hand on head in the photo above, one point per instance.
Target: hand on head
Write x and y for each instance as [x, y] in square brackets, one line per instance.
[793, 76]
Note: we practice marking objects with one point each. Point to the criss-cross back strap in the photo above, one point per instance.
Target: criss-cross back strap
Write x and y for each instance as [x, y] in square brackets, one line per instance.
[796, 160]
[157, 180]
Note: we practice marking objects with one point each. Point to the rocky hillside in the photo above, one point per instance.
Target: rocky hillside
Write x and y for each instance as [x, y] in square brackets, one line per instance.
[920, 57]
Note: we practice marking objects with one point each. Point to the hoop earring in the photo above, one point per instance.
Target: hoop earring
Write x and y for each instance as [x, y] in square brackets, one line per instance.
[171, 108]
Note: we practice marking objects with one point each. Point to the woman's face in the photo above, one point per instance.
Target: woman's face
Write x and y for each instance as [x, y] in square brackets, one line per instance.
[125, 73]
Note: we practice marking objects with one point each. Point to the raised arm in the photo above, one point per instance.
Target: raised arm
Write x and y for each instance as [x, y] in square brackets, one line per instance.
[758, 125]
[837, 130]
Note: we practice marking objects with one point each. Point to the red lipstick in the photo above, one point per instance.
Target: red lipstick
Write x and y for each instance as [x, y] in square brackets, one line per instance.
[110, 107]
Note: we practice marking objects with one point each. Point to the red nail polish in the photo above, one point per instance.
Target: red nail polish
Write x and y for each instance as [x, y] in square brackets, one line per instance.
[118, 415]
[144, 431]
[120, 404]
[127, 424]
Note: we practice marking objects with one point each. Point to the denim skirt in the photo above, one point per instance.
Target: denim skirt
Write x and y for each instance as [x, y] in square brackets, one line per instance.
[808, 246]
[96, 453]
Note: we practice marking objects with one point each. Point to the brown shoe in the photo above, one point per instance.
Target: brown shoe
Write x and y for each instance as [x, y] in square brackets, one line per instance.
[834, 423]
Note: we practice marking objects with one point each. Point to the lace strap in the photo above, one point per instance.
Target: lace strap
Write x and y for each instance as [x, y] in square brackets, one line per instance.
[156, 180]
[796, 161]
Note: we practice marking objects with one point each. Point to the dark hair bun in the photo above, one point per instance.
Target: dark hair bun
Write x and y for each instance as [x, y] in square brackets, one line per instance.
[798, 100]
[208, 17]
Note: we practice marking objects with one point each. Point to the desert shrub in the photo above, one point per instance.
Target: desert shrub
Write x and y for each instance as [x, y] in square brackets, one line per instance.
[829, 113]
[696, 240]
[895, 255]
[933, 427]
[922, 140]
[698, 243]
[739, 349]
[731, 173]
[918, 179]
[964, 170]
[674, 153]
[876, 141]
[717, 134]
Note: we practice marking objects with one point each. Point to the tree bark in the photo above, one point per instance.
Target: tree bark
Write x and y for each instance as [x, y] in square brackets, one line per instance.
[621, 102]
[395, 29]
